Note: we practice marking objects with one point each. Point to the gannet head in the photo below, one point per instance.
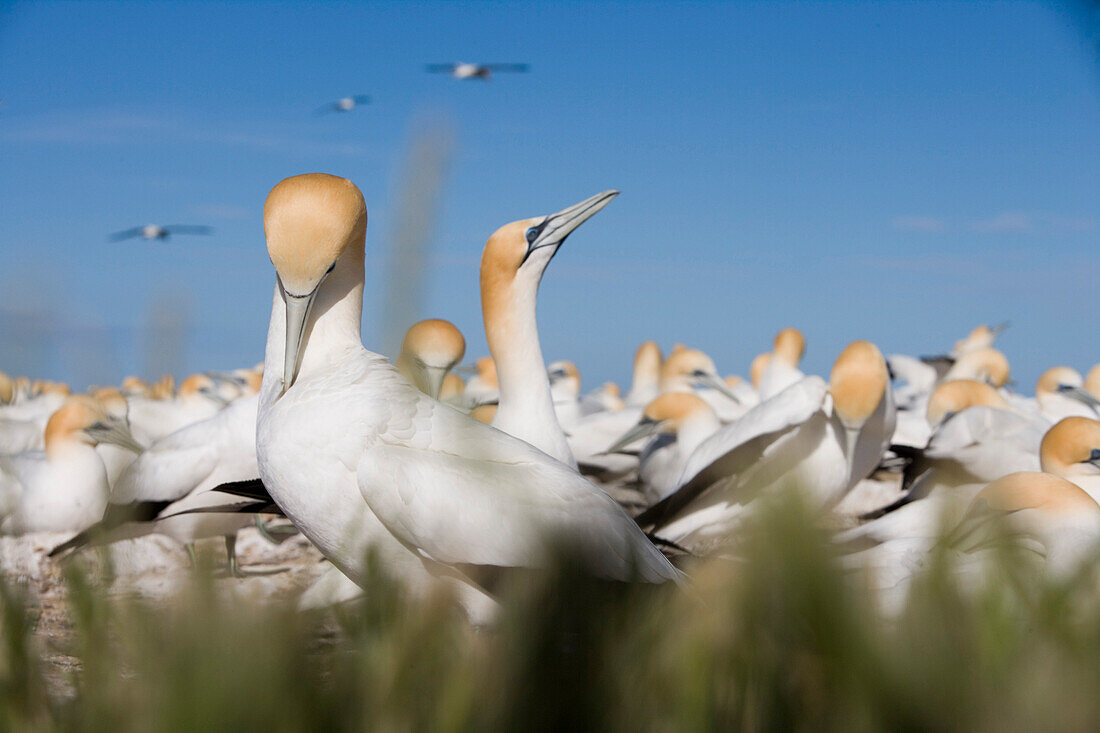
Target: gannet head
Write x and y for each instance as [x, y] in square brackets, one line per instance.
[7, 389]
[47, 387]
[200, 386]
[1066, 382]
[83, 420]
[647, 361]
[984, 365]
[1092, 381]
[756, 369]
[520, 251]
[858, 384]
[431, 348]
[687, 368]
[981, 337]
[487, 372]
[951, 398]
[565, 377]
[789, 346]
[310, 222]
[1072, 448]
[666, 414]
[113, 402]
[451, 388]
[163, 388]
[134, 386]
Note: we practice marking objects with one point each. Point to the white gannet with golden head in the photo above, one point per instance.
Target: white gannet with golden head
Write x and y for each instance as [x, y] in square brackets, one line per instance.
[484, 387]
[605, 398]
[982, 337]
[674, 425]
[512, 265]
[814, 438]
[160, 413]
[982, 365]
[63, 488]
[781, 370]
[691, 370]
[1061, 393]
[430, 350]
[1071, 449]
[358, 458]
[645, 382]
[565, 390]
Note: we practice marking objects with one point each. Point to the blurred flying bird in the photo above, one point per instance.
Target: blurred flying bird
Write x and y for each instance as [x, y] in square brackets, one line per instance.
[156, 231]
[460, 70]
[344, 104]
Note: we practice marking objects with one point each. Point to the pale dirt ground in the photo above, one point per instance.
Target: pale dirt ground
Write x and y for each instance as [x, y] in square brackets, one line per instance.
[153, 568]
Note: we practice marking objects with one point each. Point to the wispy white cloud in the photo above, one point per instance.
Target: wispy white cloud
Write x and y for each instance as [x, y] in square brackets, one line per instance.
[1005, 222]
[930, 224]
[112, 127]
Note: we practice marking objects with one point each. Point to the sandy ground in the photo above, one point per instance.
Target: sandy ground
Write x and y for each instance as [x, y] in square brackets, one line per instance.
[153, 568]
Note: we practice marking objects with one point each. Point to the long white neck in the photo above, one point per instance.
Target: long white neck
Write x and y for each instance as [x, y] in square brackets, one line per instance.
[333, 326]
[526, 407]
[695, 429]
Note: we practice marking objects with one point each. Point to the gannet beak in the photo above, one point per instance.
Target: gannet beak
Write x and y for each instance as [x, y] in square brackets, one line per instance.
[214, 397]
[116, 434]
[1079, 394]
[999, 328]
[645, 427]
[297, 313]
[435, 376]
[706, 379]
[555, 228]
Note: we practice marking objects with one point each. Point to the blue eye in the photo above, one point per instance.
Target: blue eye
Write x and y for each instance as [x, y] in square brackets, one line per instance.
[531, 234]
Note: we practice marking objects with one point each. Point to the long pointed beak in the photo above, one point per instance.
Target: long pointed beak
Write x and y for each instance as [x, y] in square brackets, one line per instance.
[1081, 395]
[1094, 457]
[118, 434]
[999, 328]
[434, 377]
[560, 225]
[643, 429]
[297, 313]
[716, 383]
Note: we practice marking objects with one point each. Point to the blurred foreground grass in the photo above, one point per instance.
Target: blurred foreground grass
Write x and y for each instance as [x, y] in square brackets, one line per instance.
[778, 640]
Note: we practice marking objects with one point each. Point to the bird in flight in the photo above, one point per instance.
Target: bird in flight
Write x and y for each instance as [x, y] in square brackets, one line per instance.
[156, 231]
[460, 70]
[344, 104]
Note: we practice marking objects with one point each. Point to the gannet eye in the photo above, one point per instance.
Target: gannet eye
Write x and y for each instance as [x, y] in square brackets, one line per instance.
[531, 234]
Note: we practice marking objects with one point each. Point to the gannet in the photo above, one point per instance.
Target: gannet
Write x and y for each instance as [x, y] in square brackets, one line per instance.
[983, 365]
[157, 415]
[690, 370]
[1071, 450]
[512, 265]
[7, 389]
[484, 387]
[645, 383]
[430, 350]
[115, 457]
[982, 337]
[461, 70]
[565, 390]
[814, 438]
[358, 458]
[159, 490]
[63, 488]
[344, 104]
[1060, 392]
[605, 398]
[676, 423]
[781, 370]
[156, 231]
[1092, 381]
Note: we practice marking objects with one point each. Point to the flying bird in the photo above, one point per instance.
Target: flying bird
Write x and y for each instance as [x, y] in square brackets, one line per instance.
[156, 231]
[344, 104]
[461, 70]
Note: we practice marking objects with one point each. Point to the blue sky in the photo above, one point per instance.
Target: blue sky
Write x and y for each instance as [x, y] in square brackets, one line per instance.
[895, 172]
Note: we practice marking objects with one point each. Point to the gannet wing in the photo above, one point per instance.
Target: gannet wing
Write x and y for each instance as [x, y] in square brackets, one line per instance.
[739, 446]
[466, 510]
[506, 67]
[188, 229]
[440, 68]
[126, 234]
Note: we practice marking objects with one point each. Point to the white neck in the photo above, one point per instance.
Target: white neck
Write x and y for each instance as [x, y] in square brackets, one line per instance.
[526, 407]
[333, 325]
[699, 426]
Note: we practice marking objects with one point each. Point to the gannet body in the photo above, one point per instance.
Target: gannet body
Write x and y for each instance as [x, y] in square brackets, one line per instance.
[357, 458]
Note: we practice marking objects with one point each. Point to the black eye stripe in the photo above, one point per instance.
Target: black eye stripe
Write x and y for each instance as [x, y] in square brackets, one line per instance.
[330, 268]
